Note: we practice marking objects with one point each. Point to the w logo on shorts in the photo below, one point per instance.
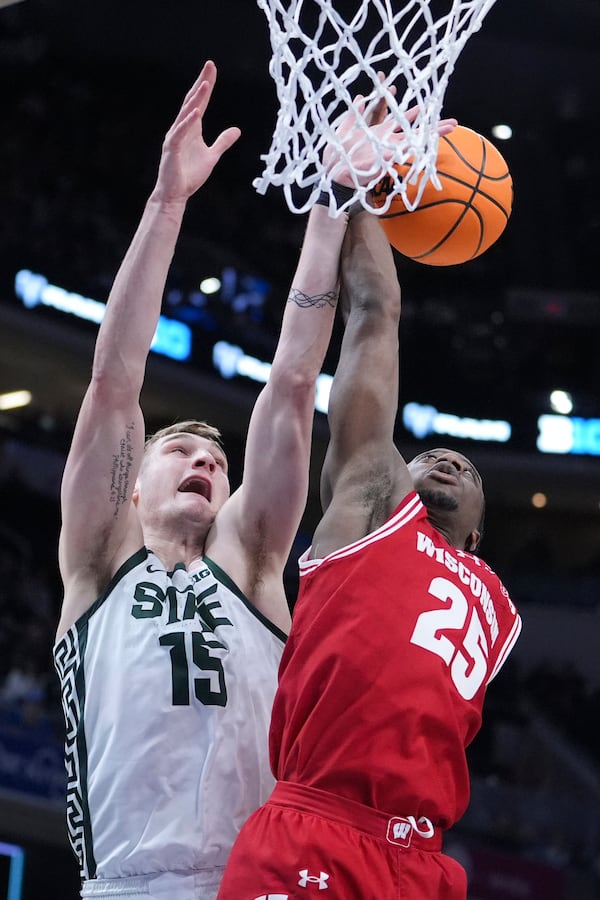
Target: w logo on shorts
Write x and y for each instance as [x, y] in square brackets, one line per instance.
[399, 831]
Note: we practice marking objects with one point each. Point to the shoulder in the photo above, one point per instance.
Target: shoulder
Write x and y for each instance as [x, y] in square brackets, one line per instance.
[252, 577]
[350, 534]
[87, 588]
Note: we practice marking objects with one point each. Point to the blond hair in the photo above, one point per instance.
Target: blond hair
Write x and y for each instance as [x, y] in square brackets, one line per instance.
[190, 426]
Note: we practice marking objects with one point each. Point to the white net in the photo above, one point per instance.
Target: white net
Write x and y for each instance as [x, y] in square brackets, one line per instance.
[325, 52]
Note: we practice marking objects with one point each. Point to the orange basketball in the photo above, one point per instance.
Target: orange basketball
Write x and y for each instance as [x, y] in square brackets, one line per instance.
[464, 218]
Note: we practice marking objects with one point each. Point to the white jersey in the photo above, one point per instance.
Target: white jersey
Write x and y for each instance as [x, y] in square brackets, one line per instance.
[167, 686]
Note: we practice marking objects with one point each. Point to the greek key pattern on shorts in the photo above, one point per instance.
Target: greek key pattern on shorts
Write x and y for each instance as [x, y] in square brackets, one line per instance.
[66, 661]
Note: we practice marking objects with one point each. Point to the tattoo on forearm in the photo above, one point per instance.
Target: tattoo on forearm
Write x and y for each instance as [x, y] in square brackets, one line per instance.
[318, 301]
[120, 471]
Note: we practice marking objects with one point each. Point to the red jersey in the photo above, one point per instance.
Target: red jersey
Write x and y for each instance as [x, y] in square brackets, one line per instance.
[382, 681]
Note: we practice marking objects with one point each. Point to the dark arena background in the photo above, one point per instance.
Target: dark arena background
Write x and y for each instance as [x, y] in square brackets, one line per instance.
[500, 358]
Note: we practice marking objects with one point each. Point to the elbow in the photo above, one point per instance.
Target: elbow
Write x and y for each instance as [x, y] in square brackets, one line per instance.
[295, 386]
[112, 387]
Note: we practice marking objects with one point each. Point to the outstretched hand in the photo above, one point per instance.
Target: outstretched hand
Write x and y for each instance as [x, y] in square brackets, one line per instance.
[187, 160]
[355, 154]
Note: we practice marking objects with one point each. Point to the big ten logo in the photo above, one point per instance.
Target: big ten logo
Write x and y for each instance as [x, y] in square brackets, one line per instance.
[562, 434]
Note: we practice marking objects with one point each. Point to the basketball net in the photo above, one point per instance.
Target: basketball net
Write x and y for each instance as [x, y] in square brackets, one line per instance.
[321, 61]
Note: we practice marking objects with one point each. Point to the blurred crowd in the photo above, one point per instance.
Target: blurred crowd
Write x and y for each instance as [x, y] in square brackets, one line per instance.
[29, 605]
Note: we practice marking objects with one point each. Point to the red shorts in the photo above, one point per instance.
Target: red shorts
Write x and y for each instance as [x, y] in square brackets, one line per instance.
[304, 841]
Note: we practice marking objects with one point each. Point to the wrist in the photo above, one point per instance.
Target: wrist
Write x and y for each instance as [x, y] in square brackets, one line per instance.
[159, 199]
[341, 195]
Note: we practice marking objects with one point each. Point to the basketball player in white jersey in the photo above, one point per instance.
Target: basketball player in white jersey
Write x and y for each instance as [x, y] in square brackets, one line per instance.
[174, 614]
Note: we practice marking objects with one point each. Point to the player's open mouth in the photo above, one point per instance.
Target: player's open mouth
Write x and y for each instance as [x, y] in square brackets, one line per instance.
[196, 485]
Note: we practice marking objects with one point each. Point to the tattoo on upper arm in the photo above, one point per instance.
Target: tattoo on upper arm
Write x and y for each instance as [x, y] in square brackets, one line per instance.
[120, 470]
[303, 300]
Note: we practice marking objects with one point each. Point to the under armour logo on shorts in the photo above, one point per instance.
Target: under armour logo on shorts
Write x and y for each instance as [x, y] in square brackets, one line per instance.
[306, 879]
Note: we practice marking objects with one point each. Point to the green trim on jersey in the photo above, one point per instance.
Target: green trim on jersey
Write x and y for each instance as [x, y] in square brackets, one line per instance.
[90, 860]
[225, 580]
[129, 564]
[74, 643]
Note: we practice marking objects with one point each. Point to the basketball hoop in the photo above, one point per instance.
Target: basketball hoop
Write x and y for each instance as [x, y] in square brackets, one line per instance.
[321, 60]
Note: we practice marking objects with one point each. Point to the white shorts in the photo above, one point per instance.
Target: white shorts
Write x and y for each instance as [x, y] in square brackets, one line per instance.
[200, 885]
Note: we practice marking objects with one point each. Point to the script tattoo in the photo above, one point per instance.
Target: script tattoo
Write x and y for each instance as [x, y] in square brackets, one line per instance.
[120, 469]
[318, 301]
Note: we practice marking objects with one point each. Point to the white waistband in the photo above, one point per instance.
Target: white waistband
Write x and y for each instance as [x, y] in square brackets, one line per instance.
[108, 888]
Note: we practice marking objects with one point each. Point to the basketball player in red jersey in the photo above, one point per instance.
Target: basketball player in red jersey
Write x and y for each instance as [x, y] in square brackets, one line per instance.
[398, 629]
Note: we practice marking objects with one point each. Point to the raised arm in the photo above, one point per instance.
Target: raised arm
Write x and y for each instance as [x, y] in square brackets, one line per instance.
[256, 527]
[99, 524]
[363, 476]
[262, 517]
